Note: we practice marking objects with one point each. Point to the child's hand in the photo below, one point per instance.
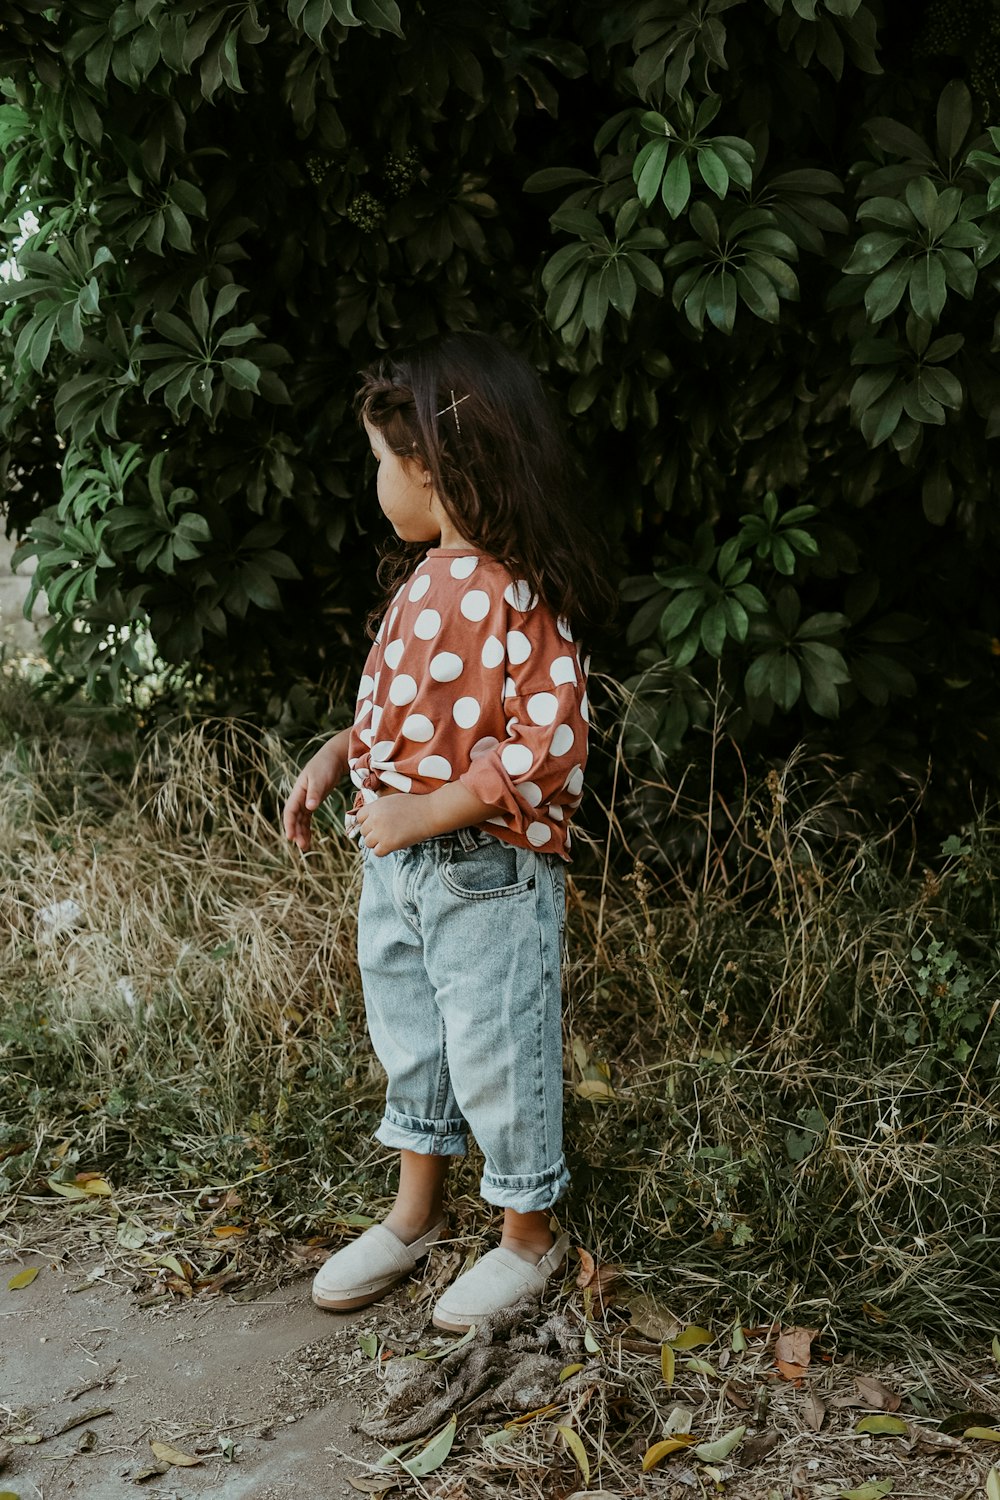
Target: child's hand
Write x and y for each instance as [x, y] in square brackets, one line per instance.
[317, 779]
[394, 822]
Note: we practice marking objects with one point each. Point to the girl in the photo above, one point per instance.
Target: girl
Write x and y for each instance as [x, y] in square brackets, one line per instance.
[467, 753]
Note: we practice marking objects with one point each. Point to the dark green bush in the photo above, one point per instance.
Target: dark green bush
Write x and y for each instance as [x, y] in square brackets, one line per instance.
[765, 296]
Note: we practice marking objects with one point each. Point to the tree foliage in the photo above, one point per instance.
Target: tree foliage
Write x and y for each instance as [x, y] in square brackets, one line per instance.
[753, 246]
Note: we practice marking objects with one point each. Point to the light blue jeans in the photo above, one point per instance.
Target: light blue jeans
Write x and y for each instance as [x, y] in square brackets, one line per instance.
[459, 942]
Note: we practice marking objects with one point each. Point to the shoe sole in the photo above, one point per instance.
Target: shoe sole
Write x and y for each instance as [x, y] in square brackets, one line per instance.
[349, 1304]
[448, 1326]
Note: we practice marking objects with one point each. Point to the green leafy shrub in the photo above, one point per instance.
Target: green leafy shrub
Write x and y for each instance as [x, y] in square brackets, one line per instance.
[765, 296]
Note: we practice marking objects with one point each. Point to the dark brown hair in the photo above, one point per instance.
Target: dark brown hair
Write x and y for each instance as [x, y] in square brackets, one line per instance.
[498, 462]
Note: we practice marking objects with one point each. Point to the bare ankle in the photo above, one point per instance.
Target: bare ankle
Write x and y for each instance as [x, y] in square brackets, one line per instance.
[528, 1235]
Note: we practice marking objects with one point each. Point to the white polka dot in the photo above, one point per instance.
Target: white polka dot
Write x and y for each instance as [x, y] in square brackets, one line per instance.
[484, 746]
[563, 669]
[500, 822]
[519, 596]
[365, 686]
[380, 632]
[584, 709]
[493, 652]
[531, 793]
[518, 647]
[367, 734]
[375, 684]
[463, 567]
[509, 690]
[403, 690]
[563, 740]
[358, 777]
[538, 834]
[368, 794]
[586, 665]
[555, 812]
[542, 708]
[475, 605]
[466, 712]
[382, 751]
[363, 710]
[393, 653]
[419, 587]
[574, 781]
[427, 624]
[564, 628]
[435, 766]
[516, 759]
[446, 666]
[393, 616]
[376, 716]
[397, 779]
[418, 727]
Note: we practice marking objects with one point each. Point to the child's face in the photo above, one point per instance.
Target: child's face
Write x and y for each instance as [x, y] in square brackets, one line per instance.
[405, 493]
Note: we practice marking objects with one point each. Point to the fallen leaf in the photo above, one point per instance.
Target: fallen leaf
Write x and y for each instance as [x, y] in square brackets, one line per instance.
[168, 1455]
[650, 1318]
[23, 1279]
[757, 1448]
[884, 1426]
[368, 1344]
[226, 1231]
[531, 1416]
[575, 1446]
[500, 1437]
[569, 1370]
[739, 1339]
[595, 1088]
[794, 1347]
[590, 1341]
[789, 1371]
[66, 1189]
[668, 1364]
[982, 1434]
[600, 1278]
[876, 1394]
[960, 1420]
[873, 1491]
[660, 1451]
[692, 1337]
[700, 1366]
[433, 1454]
[995, 1346]
[373, 1484]
[715, 1452]
[813, 1411]
[737, 1397]
[993, 1485]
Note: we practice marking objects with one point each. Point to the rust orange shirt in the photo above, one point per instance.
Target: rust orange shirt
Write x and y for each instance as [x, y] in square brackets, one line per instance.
[471, 678]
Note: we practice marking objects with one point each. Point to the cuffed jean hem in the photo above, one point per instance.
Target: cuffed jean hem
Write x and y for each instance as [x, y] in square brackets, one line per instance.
[526, 1195]
[426, 1137]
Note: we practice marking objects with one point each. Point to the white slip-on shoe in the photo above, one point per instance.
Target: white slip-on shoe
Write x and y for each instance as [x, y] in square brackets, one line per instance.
[498, 1280]
[369, 1267]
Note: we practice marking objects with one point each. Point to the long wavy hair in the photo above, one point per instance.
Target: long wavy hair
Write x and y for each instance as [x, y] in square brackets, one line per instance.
[499, 464]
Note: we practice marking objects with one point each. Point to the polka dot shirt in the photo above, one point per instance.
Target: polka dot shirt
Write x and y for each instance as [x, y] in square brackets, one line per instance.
[471, 678]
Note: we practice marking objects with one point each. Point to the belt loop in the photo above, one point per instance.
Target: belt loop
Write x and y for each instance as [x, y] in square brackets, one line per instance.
[466, 838]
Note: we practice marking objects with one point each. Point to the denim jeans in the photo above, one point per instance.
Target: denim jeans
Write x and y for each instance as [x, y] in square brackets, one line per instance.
[459, 942]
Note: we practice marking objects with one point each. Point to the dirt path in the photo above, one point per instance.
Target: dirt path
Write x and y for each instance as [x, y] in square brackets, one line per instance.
[267, 1374]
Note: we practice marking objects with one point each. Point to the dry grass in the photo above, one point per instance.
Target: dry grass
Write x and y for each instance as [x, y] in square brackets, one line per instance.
[776, 1113]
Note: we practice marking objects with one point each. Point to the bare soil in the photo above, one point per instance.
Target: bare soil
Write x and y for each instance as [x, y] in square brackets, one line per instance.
[252, 1389]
